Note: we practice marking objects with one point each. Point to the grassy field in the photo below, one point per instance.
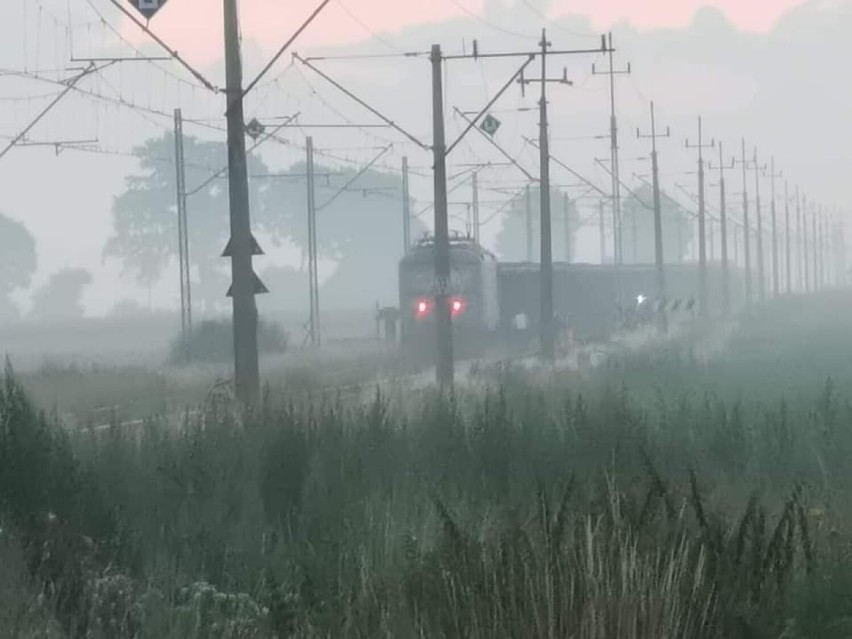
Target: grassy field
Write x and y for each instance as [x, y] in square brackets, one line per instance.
[695, 491]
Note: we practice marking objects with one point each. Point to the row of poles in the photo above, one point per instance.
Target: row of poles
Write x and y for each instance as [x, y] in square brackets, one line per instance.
[242, 245]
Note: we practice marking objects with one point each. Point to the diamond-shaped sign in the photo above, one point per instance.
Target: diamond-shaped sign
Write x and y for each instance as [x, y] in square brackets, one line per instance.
[490, 125]
[148, 7]
[255, 129]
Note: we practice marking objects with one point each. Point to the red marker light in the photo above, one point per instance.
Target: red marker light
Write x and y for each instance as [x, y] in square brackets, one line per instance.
[457, 306]
[422, 308]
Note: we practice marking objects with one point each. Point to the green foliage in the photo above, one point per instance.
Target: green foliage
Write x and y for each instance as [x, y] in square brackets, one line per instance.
[359, 226]
[145, 228]
[60, 297]
[350, 214]
[528, 508]
[448, 523]
[290, 287]
[50, 508]
[17, 262]
[213, 341]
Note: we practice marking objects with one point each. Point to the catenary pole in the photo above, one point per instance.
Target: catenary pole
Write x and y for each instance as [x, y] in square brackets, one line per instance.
[242, 245]
[475, 187]
[746, 228]
[547, 333]
[183, 231]
[443, 320]
[788, 263]
[406, 208]
[761, 270]
[313, 285]
[723, 223]
[702, 215]
[658, 223]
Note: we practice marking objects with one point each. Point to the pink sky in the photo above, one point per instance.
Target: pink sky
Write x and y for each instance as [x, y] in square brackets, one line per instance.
[196, 29]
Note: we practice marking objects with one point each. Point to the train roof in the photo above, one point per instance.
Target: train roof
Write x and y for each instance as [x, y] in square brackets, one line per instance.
[462, 248]
[581, 267]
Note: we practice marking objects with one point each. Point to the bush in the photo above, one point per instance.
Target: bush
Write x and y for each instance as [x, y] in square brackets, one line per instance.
[213, 341]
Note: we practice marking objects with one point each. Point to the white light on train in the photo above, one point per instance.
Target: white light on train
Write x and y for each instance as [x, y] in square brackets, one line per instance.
[640, 299]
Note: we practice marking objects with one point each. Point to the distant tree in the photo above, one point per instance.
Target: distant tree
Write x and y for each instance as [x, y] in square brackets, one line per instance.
[637, 237]
[359, 226]
[60, 298]
[17, 263]
[145, 235]
[289, 290]
[512, 237]
[128, 308]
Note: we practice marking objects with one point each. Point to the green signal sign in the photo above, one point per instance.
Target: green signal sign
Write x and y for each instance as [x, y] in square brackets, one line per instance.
[148, 7]
[490, 125]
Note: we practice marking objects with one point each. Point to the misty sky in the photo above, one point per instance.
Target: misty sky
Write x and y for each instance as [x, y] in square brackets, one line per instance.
[759, 68]
[199, 30]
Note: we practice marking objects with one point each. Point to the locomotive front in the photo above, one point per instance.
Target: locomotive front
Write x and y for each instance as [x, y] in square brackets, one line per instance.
[471, 296]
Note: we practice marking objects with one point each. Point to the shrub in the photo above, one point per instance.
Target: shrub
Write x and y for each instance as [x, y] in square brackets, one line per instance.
[213, 341]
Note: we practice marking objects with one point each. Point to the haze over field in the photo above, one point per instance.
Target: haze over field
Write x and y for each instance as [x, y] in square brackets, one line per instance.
[764, 70]
[469, 388]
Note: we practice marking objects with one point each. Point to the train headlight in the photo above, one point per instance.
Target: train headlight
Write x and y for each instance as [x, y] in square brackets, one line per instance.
[457, 306]
[640, 299]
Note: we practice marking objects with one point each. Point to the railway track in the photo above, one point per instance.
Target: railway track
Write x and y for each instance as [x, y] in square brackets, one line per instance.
[581, 358]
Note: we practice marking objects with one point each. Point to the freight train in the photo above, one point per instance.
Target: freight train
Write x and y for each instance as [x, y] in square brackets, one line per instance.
[495, 302]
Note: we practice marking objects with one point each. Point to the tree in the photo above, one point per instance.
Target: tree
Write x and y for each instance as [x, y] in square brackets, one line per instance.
[17, 263]
[145, 234]
[125, 308]
[60, 298]
[512, 237]
[359, 226]
[637, 238]
[289, 290]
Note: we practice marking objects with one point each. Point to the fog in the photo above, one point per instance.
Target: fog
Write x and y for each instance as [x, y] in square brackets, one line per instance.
[777, 89]
[640, 429]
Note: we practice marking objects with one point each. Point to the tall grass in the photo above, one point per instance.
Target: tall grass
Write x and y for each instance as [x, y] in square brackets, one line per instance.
[611, 507]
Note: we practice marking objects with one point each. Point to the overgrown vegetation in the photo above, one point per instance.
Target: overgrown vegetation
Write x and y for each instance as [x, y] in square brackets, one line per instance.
[610, 507]
[213, 341]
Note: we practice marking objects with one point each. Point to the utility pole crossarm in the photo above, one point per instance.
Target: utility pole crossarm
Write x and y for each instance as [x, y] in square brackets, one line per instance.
[573, 172]
[174, 54]
[364, 104]
[476, 55]
[494, 143]
[354, 178]
[472, 123]
[224, 169]
[286, 46]
[69, 86]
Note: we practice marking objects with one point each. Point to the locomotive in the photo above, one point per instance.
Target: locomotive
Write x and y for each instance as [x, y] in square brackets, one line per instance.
[473, 296]
[493, 302]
